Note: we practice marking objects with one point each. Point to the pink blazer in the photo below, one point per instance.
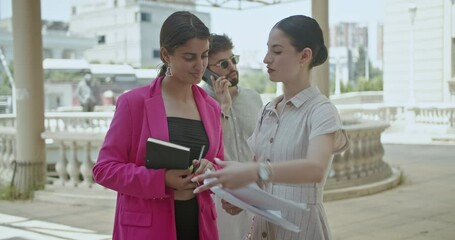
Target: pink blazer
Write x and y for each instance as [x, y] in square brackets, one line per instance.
[145, 206]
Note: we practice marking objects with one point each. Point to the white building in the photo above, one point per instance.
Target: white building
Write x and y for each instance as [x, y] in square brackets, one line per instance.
[340, 65]
[419, 55]
[127, 31]
[57, 41]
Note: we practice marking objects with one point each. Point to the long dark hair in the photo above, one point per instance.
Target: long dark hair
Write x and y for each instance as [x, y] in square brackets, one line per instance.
[305, 32]
[178, 28]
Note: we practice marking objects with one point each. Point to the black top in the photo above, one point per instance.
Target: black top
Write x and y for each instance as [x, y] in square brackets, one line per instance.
[189, 133]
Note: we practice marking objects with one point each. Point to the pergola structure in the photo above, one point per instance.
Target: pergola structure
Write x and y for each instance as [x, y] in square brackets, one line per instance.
[232, 4]
[30, 161]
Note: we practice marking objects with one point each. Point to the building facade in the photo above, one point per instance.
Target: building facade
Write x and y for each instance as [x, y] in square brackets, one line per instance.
[346, 38]
[58, 42]
[419, 49]
[127, 31]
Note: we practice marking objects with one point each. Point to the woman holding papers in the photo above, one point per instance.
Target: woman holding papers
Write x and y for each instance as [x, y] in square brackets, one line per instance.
[295, 137]
[160, 203]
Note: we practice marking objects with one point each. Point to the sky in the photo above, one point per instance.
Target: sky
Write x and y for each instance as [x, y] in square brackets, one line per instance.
[249, 28]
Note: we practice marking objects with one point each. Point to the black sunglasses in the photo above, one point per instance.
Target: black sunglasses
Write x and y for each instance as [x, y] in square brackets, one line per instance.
[224, 63]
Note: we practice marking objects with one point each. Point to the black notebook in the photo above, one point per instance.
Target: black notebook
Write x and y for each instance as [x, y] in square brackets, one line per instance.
[161, 154]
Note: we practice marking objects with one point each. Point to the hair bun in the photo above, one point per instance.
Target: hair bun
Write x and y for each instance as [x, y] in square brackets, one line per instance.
[321, 56]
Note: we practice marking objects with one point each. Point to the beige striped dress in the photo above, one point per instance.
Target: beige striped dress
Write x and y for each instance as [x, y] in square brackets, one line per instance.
[276, 139]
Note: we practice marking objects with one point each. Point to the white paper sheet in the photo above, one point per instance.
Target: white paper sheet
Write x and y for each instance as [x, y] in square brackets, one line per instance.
[257, 201]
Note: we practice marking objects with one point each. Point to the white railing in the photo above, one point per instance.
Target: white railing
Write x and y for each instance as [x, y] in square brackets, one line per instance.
[7, 154]
[439, 118]
[362, 163]
[73, 140]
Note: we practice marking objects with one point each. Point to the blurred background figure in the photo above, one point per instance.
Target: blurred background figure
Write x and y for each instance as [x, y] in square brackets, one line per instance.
[87, 93]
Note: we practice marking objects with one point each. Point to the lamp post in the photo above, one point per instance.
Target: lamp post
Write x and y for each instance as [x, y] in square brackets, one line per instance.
[412, 15]
[338, 77]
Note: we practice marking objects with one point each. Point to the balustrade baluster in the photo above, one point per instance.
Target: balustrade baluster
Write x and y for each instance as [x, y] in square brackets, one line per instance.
[87, 165]
[73, 165]
[3, 164]
[338, 165]
[61, 165]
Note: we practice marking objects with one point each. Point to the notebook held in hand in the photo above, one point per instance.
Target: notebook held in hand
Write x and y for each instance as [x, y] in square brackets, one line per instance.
[161, 154]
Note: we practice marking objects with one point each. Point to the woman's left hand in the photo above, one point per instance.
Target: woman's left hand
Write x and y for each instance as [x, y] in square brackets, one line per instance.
[233, 175]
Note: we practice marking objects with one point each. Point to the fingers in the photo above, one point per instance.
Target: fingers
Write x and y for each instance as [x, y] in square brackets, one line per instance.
[204, 176]
[183, 172]
[206, 186]
[202, 166]
[220, 85]
[221, 162]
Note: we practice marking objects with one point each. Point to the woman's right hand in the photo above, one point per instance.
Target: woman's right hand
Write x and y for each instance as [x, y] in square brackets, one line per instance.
[232, 175]
[179, 179]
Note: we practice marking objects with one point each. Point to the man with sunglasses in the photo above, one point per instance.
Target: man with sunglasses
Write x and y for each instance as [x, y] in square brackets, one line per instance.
[240, 108]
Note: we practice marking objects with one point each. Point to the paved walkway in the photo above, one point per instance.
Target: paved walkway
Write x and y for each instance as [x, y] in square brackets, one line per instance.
[422, 208]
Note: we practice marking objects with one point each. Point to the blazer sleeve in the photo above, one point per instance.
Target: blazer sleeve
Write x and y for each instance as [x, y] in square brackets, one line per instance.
[116, 167]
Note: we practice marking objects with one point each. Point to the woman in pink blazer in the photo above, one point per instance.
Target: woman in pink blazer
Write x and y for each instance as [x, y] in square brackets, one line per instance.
[159, 203]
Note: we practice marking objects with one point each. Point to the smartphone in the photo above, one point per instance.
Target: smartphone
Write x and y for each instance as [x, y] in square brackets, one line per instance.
[207, 74]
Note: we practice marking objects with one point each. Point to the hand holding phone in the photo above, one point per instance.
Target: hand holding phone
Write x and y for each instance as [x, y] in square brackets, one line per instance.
[207, 76]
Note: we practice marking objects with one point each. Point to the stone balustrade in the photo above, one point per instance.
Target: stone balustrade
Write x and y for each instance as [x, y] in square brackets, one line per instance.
[73, 140]
[362, 163]
[436, 118]
[7, 153]
[431, 115]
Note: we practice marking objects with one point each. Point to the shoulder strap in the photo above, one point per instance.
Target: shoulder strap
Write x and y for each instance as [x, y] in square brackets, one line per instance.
[263, 113]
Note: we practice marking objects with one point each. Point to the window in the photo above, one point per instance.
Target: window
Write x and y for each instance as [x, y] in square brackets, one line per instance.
[47, 53]
[143, 17]
[101, 39]
[68, 54]
[156, 53]
[73, 10]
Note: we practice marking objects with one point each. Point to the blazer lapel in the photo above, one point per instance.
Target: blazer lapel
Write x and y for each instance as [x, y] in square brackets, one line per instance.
[206, 118]
[156, 113]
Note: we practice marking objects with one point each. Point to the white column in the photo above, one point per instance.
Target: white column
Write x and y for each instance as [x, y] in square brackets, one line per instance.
[28, 74]
[320, 12]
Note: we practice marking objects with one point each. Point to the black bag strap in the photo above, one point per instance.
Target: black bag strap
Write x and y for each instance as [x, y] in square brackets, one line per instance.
[263, 113]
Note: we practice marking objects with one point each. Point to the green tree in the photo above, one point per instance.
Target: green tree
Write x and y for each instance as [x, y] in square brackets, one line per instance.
[359, 65]
[62, 76]
[5, 86]
[258, 81]
[374, 83]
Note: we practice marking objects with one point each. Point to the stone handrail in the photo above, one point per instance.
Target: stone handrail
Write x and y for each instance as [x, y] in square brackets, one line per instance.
[77, 148]
[437, 118]
[77, 136]
[73, 141]
[435, 115]
[7, 153]
[362, 163]
[372, 111]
